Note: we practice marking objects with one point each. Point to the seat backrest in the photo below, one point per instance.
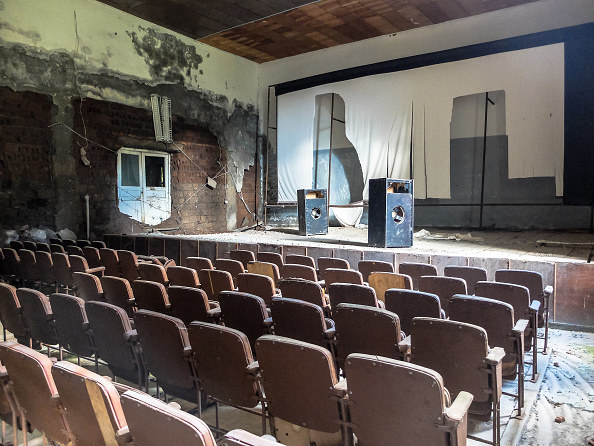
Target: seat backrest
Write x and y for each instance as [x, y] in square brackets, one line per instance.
[117, 291]
[87, 286]
[214, 281]
[222, 355]
[153, 273]
[110, 260]
[471, 274]
[366, 267]
[68, 242]
[56, 241]
[306, 290]
[45, 266]
[183, 276]
[456, 351]
[257, 284]
[198, 263]
[13, 261]
[298, 379]
[45, 247]
[189, 304]
[55, 247]
[73, 250]
[16, 245]
[153, 423]
[391, 399]
[517, 296]
[299, 320]
[243, 255]
[530, 279]
[98, 244]
[78, 263]
[271, 257]
[11, 313]
[444, 287]
[331, 262]
[416, 270]
[233, 267]
[114, 340]
[150, 296]
[62, 269]
[128, 265]
[264, 268]
[294, 271]
[298, 259]
[29, 264]
[92, 255]
[408, 304]
[38, 315]
[338, 275]
[363, 329]
[82, 243]
[30, 245]
[244, 312]
[381, 282]
[91, 404]
[34, 388]
[350, 293]
[496, 317]
[166, 352]
[71, 323]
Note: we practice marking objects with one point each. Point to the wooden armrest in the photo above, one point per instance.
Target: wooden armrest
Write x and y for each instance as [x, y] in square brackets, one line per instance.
[548, 290]
[456, 412]
[253, 368]
[340, 389]
[534, 306]
[95, 270]
[330, 333]
[521, 326]
[131, 336]
[123, 436]
[495, 356]
[405, 344]
[268, 322]
[188, 351]
[214, 312]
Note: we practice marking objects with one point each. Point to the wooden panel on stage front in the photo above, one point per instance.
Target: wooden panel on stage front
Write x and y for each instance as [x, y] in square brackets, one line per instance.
[575, 293]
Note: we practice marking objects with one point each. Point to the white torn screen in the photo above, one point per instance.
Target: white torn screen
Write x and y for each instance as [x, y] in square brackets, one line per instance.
[381, 109]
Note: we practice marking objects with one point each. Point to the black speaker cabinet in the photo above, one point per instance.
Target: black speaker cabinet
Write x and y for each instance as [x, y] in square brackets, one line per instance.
[391, 220]
[312, 211]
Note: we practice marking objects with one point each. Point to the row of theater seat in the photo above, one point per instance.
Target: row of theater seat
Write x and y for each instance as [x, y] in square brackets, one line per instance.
[72, 405]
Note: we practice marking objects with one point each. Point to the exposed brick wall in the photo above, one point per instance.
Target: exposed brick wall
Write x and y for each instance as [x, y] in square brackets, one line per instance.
[245, 218]
[26, 195]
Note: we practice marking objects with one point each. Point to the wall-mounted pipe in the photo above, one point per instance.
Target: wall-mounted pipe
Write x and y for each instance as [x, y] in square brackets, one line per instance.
[88, 215]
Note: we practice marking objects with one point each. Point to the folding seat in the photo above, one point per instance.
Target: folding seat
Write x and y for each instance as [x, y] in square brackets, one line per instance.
[153, 423]
[43, 247]
[271, 257]
[266, 269]
[246, 313]
[3, 266]
[416, 270]
[338, 275]
[351, 293]
[518, 297]
[63, 270]
[460, 353]
[297, 259]
[301, 386]
[257, 284]
[167, 354]
[444, 287]
[71, 324]
[45, 265]
[55, 241]
[8, 408]
[183, 276]
[38, 316]
[29, 270]
[294, 271]
[233, 267]
[90, 404]
[17, 245]
[471, 274]
[364, 329]
[55, 247]
[225, 367]
[99, 244]
[128, 265]
[35, 390]
[93, 256]
[191, 304]
[73, 250]
[12, 264]
[239, 437]
[243, 255]
[534, 282]
[330, 262]
[151, 296]
[198, 263]
[79, 264]
[11, 314]
[115, 341]
[118, 292]
[390, 399]
[30, 245]
[303, 321]
[82, 243]
[366, 267]
[111, 261]
[408, 304]
[306, 290]
[497, 318]
[381, 282]
[88, 286]
[153, 273]
[213, 282]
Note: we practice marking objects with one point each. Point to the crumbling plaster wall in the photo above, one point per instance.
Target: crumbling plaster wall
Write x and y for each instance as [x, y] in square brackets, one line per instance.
[84, 49]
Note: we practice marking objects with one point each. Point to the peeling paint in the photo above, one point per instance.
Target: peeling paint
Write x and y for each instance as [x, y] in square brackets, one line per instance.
[34, 36]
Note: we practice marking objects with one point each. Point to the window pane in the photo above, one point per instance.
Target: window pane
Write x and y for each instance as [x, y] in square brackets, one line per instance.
[155, 171]
[130, 171]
